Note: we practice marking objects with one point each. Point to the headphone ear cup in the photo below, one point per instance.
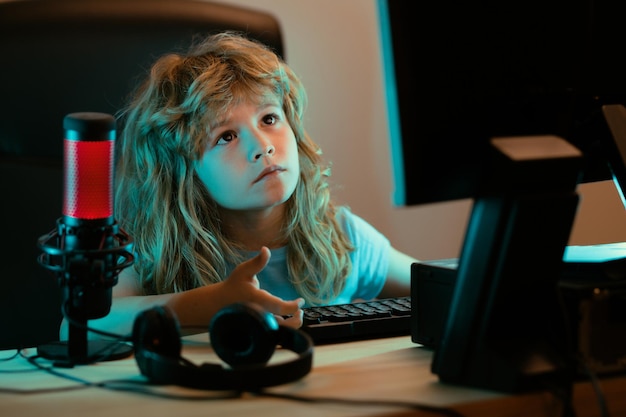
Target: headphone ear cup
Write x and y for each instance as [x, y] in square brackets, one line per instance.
[244, 335]
[157, 330]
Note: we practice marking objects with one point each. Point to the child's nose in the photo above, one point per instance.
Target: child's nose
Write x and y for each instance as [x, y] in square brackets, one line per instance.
[267, 150]
[260, 144]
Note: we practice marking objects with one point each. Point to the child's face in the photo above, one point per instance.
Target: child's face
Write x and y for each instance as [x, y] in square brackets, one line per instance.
[251, 160]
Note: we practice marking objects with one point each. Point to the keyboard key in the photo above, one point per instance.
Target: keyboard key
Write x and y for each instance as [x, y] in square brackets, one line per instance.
[356, 321]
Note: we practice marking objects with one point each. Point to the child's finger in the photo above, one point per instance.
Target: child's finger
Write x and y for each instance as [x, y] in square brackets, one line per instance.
[252, 266]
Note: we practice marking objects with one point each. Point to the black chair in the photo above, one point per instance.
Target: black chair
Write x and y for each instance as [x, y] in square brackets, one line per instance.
[64, 56]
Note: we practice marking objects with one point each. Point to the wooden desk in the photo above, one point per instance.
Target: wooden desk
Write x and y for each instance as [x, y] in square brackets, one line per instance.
[391, 369]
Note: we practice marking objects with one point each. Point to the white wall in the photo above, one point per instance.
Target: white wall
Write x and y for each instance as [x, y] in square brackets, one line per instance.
[334, 46]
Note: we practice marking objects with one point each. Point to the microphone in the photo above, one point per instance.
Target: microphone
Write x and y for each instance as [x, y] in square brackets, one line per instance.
[88, 249]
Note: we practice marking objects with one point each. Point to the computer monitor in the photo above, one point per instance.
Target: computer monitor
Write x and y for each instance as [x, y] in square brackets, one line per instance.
[485, 99]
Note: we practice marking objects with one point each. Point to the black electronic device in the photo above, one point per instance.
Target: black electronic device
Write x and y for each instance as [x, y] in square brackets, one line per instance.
[88, 249]
[432, 286]
[359, 320]
[592, 288]
[242, 335]
[467, 114]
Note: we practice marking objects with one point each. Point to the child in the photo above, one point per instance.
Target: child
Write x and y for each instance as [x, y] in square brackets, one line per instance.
[216, 170]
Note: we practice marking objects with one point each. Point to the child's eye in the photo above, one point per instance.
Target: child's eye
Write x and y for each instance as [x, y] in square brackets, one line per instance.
[226, 137]
[270, 119]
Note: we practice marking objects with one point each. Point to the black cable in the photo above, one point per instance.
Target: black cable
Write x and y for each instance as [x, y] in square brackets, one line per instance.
[103, 354]
[83, 326]
[565, 393]
[13, 356]
[597, 388]
[138, 387]
[578, 361]
[17, 354]
[387, 403]
[144, 388]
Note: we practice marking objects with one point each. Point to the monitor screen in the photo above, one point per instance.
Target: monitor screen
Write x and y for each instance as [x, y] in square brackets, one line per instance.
[511, 104]
[460, 73]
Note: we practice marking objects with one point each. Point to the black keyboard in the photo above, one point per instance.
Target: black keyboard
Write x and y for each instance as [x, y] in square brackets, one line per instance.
[357, 321]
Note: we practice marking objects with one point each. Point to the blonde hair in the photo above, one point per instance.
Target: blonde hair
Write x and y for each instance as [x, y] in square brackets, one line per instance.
[163, 205]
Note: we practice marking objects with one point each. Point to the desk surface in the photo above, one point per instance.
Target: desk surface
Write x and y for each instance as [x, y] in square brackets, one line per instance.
[393, 369]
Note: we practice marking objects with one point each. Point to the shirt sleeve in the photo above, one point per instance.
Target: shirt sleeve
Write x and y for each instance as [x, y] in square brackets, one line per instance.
[370, 259]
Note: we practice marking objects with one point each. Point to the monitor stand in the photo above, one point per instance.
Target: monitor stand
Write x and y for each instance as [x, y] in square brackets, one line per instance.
[503, 330]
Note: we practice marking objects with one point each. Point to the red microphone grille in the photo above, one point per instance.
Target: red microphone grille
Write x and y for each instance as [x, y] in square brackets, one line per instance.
[88, 170]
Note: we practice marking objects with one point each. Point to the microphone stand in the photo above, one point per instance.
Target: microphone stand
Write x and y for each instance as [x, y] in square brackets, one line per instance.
[87, 278]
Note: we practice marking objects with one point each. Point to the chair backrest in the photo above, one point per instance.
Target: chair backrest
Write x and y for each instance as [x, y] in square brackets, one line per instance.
[64, 56]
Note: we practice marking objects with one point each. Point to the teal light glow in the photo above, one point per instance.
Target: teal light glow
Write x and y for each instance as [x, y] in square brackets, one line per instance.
[393, 116]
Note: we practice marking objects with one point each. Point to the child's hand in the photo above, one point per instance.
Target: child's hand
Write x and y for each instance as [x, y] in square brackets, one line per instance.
[243, 285]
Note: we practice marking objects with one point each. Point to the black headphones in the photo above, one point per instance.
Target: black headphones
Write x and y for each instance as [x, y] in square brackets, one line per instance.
[242, 335]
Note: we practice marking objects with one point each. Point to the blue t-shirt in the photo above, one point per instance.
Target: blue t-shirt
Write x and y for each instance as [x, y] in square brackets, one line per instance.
[370, 263]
